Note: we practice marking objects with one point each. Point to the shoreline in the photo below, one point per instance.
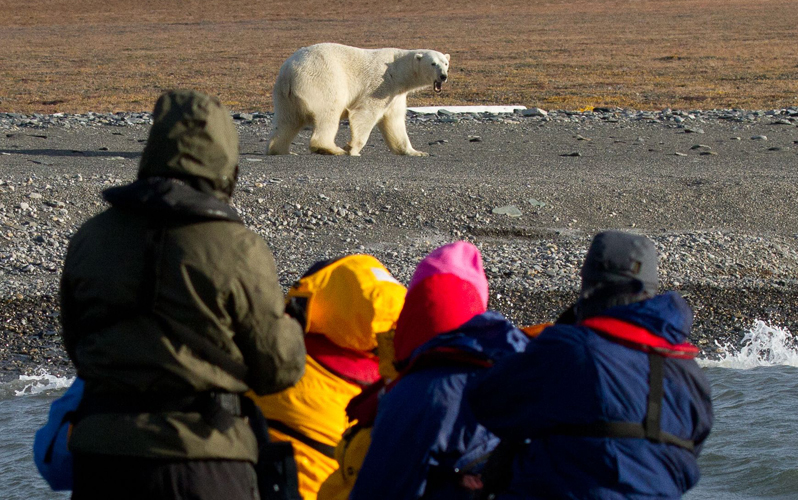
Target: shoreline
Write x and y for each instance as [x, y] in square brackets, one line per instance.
[38, 347]
[719, 211]
[443, 113]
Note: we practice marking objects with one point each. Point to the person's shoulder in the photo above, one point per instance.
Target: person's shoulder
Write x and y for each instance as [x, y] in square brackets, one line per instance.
[229, 236]
[106, 224]
[563, 342]
[108, 216]
[230, 247]
[252, 251]
[253, 247]
[430, 387]
[560, 333]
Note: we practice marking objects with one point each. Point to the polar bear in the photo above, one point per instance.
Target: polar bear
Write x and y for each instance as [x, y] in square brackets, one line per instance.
[321, 84]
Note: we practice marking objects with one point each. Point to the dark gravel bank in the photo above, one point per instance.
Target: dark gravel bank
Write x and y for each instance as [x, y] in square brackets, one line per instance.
[715, 190]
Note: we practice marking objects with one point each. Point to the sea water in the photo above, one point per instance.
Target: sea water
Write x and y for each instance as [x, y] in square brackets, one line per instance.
[752, 452]
[24, 405]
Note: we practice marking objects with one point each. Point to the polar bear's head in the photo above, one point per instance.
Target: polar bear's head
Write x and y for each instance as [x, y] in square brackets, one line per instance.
[434, 66]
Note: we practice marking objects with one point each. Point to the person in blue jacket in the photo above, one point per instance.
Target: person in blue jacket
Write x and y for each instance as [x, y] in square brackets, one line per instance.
[425, 442]
[610, 406]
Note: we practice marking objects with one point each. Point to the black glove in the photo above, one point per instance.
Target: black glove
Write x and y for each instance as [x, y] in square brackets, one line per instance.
[296, 307]
[567, 317]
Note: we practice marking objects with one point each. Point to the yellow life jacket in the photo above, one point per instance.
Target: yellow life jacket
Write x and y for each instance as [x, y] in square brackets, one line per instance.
[350, 454]
[348, 301]
[315, 408]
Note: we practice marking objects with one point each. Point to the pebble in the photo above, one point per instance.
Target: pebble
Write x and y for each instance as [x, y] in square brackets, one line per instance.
[509, 210]
[536, 203]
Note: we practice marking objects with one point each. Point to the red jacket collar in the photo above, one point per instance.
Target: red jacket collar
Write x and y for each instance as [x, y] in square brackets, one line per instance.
[638, 338]
[361, 368]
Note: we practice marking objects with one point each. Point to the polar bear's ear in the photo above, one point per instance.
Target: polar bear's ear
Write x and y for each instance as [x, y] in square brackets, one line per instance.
[446, 56]
[419, 56]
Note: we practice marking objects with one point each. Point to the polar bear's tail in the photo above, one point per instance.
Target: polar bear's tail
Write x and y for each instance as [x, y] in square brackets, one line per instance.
[286, 98]
[289, 113]
[282, 87]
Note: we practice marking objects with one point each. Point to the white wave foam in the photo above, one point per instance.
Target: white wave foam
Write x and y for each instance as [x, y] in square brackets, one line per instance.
[764, 345]
[39, 383]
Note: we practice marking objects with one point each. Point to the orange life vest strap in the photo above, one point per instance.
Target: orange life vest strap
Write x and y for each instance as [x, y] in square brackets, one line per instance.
[535, 330]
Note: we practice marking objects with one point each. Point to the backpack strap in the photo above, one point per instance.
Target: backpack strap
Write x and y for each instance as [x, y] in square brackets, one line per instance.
[276, 466]
[656, 393]
[218, 409]
[324, 449]
[649, 429]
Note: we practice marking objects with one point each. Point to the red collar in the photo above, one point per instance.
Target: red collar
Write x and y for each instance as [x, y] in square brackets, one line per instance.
[361, 368]
[639, 338]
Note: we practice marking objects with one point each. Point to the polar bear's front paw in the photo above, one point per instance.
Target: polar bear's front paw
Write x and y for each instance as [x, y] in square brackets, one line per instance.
[416, 153]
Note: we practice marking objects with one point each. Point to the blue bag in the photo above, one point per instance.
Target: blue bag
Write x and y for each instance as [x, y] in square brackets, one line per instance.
[50, 451]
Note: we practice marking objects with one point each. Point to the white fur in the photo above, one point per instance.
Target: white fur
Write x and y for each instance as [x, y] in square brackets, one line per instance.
[324, 83]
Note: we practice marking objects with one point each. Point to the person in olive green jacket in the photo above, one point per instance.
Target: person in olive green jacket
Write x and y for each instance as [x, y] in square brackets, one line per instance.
[171, 308]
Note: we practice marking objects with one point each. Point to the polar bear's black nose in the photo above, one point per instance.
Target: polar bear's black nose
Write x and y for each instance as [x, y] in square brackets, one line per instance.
[443, 78]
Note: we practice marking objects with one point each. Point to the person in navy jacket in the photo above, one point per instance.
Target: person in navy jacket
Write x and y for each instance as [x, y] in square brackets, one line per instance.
[609, 404]
[425, 442]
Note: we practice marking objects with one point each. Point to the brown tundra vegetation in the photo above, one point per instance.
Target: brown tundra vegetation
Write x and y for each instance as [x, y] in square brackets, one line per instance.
[118, 55]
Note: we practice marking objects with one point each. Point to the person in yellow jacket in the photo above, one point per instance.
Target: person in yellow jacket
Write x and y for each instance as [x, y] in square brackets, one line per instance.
[344, 304]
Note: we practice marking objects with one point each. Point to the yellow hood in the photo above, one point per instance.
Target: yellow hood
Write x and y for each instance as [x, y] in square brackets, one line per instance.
[350, 300]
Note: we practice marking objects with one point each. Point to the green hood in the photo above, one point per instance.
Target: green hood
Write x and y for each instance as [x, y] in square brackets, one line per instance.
[192, 138]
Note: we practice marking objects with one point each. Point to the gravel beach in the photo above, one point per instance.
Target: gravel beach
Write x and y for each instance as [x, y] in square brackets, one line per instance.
[715, 190]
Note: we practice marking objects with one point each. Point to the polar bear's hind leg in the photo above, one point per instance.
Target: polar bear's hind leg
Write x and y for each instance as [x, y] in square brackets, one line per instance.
[286, 126]
[284, 133]
[325, 128]
[361, 122]
[288, 120]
